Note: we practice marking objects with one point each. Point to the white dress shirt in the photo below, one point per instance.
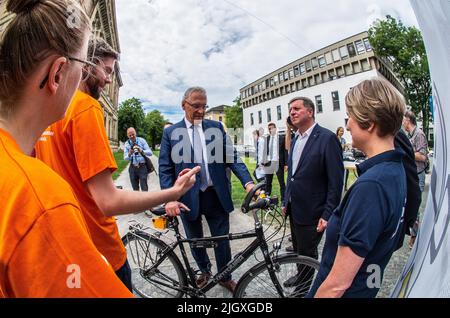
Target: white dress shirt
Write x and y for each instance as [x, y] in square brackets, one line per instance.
[300, 146]
[203, 141]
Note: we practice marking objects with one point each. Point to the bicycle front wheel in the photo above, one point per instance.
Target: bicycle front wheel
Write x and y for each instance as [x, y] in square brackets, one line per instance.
[167, 280]
[294, 273]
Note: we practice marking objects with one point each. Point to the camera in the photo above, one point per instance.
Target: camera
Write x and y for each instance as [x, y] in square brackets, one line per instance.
[136, 149]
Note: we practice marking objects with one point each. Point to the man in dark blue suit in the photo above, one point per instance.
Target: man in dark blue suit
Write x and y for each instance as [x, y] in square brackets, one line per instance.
[189, 143]
[315, 180]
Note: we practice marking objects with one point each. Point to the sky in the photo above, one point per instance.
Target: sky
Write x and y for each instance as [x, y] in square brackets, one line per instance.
[168, 46]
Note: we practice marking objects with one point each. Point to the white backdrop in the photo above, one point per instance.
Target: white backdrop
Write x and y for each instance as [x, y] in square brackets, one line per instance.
[427, 272]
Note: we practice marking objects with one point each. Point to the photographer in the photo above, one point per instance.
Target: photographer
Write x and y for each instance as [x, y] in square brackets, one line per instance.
[135, 150]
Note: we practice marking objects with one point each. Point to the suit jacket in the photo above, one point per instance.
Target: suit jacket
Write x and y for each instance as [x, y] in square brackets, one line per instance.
[314, 189]
[413, 194]
[176, 140]
[282, 152]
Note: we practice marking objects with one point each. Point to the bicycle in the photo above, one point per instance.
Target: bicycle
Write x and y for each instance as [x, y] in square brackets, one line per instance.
[158, 272]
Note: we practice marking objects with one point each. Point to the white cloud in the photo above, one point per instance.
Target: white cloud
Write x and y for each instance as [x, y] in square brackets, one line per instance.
[222, 45]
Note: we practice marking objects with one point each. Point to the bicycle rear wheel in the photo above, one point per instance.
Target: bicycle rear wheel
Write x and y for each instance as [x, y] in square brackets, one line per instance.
[167, 280]
[294, 273]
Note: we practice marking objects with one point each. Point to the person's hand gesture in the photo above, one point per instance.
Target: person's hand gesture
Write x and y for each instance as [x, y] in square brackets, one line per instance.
[186, 180]
[322, 225]
[173, 208]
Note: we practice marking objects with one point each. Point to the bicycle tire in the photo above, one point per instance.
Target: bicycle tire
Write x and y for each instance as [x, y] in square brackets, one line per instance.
[256, 282]
[167, 280]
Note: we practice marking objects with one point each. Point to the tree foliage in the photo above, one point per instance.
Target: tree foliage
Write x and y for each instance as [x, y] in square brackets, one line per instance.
[154, 125]
[404, 47]
[131, 114]
[234, 117]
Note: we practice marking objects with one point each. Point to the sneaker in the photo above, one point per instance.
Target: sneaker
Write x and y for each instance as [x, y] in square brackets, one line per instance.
[230, 285]
[203, 279]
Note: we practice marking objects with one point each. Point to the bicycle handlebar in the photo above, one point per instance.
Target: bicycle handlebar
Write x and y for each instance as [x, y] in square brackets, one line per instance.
[247, 206]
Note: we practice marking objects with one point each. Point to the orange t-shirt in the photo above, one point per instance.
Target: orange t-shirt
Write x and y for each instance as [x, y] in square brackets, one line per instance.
[77, 148]
[45, 247]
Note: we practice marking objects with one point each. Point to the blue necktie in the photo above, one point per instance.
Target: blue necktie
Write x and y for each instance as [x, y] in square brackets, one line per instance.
[198, 156]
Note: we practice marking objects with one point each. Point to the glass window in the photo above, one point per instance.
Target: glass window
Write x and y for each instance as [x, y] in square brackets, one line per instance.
[286, 75]
[336, 56]
[269, 115]
[335, 98]
[279, 112]
[308, 65]
[319, 104]
[280, 76]
[314, 63]
[252, 120]
[260, 117]
[344, 52]
[275, 79]
[296, 71]
[322, 61]
[329, 58]
[360, 47]
[351, 50]
[291, 73]
[367, 44]
[302, 68]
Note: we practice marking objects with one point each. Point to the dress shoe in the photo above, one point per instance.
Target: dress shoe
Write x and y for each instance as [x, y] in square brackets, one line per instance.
[290, 248]
[292, 282]
[203, 279]
[229, 284]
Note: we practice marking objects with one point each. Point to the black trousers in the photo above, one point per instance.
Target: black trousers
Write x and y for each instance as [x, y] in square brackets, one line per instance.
[280, 176]
[305, 240]
[138, 176]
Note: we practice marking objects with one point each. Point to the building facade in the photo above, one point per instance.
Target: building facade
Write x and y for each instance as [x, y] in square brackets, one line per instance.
[104, 24]
[324, 76]
[217, 113]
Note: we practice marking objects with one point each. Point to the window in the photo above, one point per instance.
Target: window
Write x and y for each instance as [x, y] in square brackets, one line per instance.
[351, 50]
[280, 76]
[367, 45]
[286, 75]
[308, 66]
[314, 63]
[302, 68]
[360, 47]
[275, 80]
[296, 71]
[252, 119]
[269, 115]
[344, 52]
[322, 61]
[260, 117]
[291, 73]
[336, 56]
[279, 112]
[319, 104]
[329, 58]
[335, 98]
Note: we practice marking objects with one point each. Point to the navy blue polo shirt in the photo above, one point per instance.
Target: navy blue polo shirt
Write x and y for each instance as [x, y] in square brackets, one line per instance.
[368, 221]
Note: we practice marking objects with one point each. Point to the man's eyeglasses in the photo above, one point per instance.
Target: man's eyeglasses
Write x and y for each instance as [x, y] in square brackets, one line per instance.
[85, 74]
[196, 106]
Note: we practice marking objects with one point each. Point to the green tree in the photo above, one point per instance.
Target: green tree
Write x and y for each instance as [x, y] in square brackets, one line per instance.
[131, 114]
[404, 47]
[234, 117]
[154, 125]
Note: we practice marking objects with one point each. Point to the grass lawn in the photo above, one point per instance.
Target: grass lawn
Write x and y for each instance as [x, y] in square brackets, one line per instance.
[239, 194]
[121, 163]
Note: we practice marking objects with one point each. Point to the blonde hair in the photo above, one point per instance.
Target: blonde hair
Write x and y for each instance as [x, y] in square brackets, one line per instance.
[376, 101]
[39, 29]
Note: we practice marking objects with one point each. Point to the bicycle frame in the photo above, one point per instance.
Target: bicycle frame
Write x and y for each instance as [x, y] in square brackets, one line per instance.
[235, 263]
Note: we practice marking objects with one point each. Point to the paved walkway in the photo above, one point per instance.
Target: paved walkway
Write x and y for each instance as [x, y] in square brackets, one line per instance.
[240, 222]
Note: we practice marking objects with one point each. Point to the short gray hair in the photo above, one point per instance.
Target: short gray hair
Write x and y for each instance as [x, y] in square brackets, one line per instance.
[100, 49]
[189, 91]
